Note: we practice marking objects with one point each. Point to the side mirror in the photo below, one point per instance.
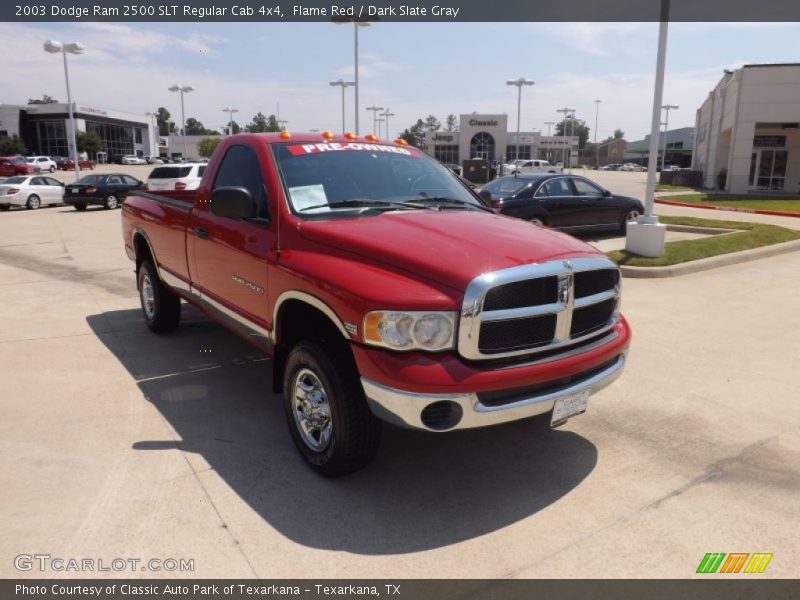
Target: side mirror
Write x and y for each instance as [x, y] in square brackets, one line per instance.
[486, 196]
[232, 202]
[606, 194]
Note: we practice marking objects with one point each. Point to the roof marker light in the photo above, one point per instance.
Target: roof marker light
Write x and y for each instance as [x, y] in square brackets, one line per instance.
[401, 142]
[285, 135]
[327, 135]
[371, 137]
[350, 135]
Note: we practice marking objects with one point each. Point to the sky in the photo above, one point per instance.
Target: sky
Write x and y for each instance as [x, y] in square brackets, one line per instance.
[415, 69]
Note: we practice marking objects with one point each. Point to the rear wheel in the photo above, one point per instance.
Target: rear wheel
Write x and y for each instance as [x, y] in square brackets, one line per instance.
[52, 169]
[80, 206]
[111, 202]
[33, 202]
[631, 215]
[538, 221]
[161, 307]
[328, 416]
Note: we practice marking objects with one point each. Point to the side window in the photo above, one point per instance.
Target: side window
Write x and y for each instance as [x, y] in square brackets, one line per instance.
[241, 167]
[558, 188]
[542, 191]
[586, 188]
[113, 180]
[37, 181]
[130, 180]
[51, 181]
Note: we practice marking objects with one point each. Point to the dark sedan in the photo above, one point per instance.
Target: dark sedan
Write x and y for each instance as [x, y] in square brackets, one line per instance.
[567, 202]
[108, 191]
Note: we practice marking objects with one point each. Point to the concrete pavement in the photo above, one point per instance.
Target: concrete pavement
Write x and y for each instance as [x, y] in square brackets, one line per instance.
[115, 442]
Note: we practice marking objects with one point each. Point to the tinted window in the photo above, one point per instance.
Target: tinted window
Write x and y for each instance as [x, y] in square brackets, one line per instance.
[586, 188]
[14, 180]
[241, 168]
[555, 188]
[38, 181]
[114, 179]
[90, 180]
[130, 180]
[51, 181]
[511, 186]
[170, 172]
[200, 171]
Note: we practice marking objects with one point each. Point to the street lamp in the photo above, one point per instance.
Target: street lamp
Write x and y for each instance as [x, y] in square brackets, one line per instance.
[342, 84]
[596, 147]
[379, 121]
[356, 24]
[154, 122]
[374, 110]
[566, 111]
[183, 89]
[54, 47]
[386, 115]
[518, 83]
[667, 108]
[282, 123]
[549, 123]
[230, 112]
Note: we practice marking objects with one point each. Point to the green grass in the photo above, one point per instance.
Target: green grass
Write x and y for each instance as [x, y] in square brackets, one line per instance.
[665, 187]
[750, 235]
[730, 200]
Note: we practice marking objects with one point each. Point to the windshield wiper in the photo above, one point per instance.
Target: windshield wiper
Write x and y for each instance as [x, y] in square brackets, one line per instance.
[365, 203]
[448, 202]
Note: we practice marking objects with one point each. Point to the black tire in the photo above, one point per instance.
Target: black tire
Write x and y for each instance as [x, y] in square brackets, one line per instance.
[33, 202]
[354, 431]
[80, 206]
[5, 207]
[629, 216]
[111, 202]
[52, 169]
[160, 307]
[538, 221]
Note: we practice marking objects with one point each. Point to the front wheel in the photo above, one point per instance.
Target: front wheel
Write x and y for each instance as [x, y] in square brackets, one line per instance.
[52, 169]
[328, 416]
[80, 206]
[631, 215]
[111, 202]
[33, 202]
[538, 221]
[161, 307]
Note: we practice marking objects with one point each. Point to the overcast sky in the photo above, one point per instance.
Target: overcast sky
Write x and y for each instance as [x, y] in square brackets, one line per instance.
[414, 69]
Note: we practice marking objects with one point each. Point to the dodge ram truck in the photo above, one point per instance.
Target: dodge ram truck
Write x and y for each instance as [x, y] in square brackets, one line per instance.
[382, 287]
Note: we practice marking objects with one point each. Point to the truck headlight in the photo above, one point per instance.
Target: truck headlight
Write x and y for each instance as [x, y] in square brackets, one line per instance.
[410, 330]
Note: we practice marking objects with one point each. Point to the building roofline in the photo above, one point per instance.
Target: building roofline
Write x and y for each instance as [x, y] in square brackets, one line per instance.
[760, 65]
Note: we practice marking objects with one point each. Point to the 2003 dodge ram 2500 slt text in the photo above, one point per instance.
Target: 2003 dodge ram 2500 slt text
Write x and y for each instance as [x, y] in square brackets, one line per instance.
[382, 287]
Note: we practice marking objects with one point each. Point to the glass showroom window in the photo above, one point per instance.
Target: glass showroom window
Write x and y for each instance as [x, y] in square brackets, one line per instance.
[447, 153]
[52, 137]
[117, 139]
[524, 152]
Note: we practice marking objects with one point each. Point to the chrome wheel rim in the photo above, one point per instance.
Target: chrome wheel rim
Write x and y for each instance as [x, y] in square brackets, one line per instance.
[312, 411]
[537, 221]
[148, 298]
[632, 215]
[111, 202]
[34, 202]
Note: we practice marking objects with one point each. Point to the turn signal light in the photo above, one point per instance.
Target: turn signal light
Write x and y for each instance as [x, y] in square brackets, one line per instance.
[401, 142]
[180, 185]
[350, 135]
[328, 135]
[285, 135]
[371, 137]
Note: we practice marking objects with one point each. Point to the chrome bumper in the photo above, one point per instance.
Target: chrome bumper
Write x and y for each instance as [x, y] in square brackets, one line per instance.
[405, 408]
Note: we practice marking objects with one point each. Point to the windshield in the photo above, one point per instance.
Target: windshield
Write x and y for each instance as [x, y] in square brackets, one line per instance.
[170, 172]
[14, 180]
[320, 176]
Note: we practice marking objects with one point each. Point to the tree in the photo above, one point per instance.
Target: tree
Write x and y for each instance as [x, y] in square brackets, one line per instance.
[10, 146]
[415, 135]
[195, 127]
[234, 126]
[263, 124]
[574, 127]
[451, 123]
[432, 123]
[207, 146]
[88, 141]
[165, 125]
[45, 99]
[619, 134]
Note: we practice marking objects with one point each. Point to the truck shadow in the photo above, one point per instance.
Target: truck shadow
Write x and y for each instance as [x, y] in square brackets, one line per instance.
[423, 491]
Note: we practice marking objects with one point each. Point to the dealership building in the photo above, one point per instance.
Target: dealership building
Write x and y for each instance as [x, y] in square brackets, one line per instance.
[748, 130]
[46, 129]
[487, 136]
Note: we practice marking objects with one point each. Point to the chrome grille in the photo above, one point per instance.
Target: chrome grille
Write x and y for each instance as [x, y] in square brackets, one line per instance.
[538, 307]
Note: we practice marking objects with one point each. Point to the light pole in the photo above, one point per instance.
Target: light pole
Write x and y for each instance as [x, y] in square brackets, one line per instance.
[356, 24]
[518, 83]
[342, 84]
[374, 110]
[282, 123]
[379, 121]
[549, 123]
[230, 112]
[154, 122]
[183, 89]
[54, 47]
[386, 115]
[667, 108]
[566, 111]
[596, 147]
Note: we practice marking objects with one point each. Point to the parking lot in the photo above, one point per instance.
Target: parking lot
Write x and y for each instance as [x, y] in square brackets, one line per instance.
[120, 443]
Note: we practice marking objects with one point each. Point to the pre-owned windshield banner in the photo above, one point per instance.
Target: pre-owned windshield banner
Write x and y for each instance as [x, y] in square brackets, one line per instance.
[420, 11]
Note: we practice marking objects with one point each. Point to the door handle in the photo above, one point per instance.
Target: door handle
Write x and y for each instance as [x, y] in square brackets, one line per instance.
[200, 232]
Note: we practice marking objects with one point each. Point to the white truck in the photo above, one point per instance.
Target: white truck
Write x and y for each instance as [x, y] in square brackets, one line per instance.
[535, 165]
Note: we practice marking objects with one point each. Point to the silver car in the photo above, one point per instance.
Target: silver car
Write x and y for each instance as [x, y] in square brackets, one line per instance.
[30, 191]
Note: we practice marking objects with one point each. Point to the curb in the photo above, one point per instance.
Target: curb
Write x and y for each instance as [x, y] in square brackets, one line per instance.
[712, 262]
[752, 211]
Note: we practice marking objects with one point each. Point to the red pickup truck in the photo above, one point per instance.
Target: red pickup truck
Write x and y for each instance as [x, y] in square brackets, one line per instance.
[382, 287]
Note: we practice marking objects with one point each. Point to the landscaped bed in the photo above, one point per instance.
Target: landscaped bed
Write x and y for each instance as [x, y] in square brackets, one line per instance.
[746, 202]
[668, 187]
[747, 237]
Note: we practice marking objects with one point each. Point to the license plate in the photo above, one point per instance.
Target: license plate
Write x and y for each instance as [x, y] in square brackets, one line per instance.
[569, 406]
[75, 190]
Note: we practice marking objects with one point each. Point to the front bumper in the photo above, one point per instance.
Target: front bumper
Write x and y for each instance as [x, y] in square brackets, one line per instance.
[409, 390]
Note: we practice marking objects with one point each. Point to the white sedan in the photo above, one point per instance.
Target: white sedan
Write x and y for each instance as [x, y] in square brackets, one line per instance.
[45, 163]
[133, 160]
[30, 191]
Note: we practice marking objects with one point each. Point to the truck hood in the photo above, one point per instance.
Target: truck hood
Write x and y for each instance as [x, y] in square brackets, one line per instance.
[450, 247]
